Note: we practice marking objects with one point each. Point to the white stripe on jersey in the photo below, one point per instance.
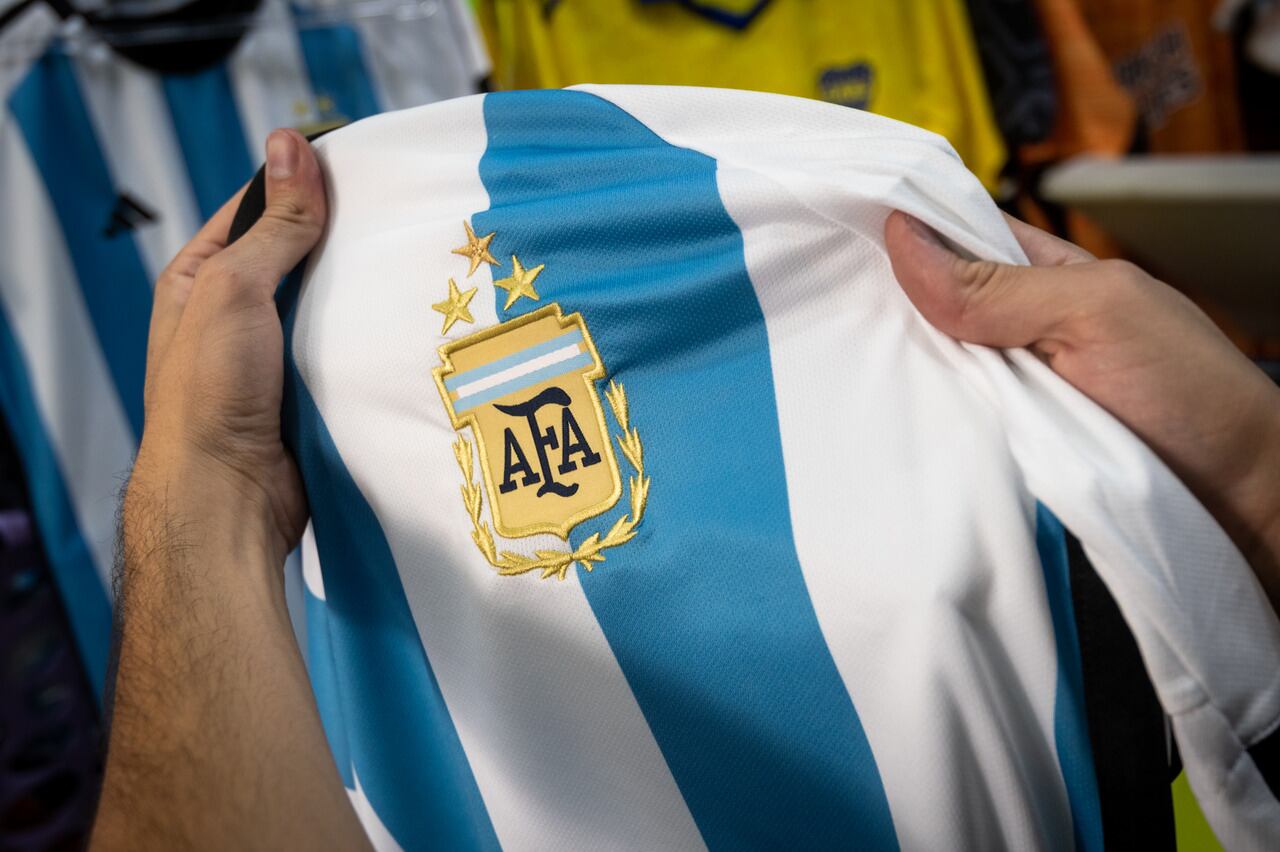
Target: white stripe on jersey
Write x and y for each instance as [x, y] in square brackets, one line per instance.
[269, 77]
[74, 392]
[917, 672]
[21, 43]
[538, 649]
[1174, 575]
[311, 575]
[131, 117]
[1170, 567]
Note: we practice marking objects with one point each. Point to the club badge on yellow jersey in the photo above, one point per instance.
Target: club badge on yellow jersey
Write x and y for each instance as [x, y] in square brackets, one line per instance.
[526, 392]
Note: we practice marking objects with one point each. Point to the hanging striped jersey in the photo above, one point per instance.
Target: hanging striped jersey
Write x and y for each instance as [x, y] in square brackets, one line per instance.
[649, 514]
[108, 169]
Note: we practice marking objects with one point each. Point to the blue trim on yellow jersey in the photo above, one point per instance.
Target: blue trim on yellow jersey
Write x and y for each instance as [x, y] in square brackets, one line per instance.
[706, 610]
[1070, 724]
[718, 14]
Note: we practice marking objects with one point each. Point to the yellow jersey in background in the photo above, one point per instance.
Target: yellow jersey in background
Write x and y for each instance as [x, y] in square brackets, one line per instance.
[912, 60]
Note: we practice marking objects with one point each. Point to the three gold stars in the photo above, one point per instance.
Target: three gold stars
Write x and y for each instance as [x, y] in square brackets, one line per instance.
[520, 283]
[455, 307]
[476, 250]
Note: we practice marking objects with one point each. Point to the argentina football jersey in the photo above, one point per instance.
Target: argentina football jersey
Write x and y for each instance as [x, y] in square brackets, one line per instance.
[648, 513]
[114, 147]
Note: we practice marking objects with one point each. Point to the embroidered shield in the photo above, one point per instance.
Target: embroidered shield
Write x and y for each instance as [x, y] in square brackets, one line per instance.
[527, 389]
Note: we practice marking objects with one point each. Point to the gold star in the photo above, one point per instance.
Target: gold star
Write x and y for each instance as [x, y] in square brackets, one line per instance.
[455, 307]
[520, 283]
[476, 250]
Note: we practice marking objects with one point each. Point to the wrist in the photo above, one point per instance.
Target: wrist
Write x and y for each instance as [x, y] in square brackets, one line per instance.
[184, 501]
[1252, 513]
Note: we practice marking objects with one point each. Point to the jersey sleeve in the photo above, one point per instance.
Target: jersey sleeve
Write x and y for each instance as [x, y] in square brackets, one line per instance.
[1209, 638]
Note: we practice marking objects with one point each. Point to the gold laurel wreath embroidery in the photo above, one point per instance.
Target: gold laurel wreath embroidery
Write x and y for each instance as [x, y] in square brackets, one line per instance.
[557, 562]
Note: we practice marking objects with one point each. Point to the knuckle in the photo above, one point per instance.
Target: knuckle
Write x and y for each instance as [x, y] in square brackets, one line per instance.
[223, 278]
[215, 268]
[976, 275]
[166, 280]
[977, 279]
[1123, 274]
[1122, 281]
[228, 275]
[291, 214]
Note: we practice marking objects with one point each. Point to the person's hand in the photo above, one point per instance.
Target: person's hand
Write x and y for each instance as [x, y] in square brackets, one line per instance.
[1135, 346]
[215, 365]
[215, 740]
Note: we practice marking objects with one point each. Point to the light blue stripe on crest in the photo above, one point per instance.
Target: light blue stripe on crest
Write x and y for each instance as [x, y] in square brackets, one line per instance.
[577, 362]
[336, 66]
[400, 738]
[546, 347]
[706, 610]
[1070, 724]
[109, 269]
[82, 591]
[208, 128]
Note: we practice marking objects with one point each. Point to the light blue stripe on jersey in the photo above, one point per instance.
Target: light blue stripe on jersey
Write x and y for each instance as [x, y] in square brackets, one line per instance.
[401, 740]
[470, 401]
[83, 595]
[706, 610]
[324, 683]
[207, 125]
[505, 363]
[335, 63]
[117, 290]
[1070, 725]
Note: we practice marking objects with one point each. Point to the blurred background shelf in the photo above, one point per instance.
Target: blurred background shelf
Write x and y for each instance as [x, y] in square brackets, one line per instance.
[1210, 225]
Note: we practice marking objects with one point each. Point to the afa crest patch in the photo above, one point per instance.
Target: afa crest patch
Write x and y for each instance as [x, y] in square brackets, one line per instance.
[526, 391]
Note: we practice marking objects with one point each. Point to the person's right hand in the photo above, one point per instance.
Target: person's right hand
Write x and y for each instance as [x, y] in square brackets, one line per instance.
[1135, 346]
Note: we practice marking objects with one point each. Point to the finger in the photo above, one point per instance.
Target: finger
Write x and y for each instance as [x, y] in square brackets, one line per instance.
[1043, 248]
[213, 234]
[290, 225]
[173, 287]
[995, 304]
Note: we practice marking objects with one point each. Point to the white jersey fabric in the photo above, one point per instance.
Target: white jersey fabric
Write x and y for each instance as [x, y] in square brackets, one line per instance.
[844, 618]
[108, 168]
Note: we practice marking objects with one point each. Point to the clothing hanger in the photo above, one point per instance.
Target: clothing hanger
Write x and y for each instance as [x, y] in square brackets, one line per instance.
[185, 35]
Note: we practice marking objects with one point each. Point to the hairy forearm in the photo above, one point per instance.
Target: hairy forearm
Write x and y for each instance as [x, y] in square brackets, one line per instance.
[214, 741]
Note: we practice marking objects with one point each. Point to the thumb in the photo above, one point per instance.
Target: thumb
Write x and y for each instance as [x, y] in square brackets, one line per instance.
[993, 304]
[291, 223]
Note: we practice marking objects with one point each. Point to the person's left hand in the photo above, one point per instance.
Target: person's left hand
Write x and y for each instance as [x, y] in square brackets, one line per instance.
[215, 364]
[209, 688]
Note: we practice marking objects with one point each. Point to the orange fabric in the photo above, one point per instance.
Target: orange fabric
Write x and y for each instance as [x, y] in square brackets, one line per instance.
[1179, 69]
[1095, 115]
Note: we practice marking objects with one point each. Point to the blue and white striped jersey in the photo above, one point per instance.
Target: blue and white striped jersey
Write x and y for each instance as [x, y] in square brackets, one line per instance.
[649, 514]
[108, 168]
